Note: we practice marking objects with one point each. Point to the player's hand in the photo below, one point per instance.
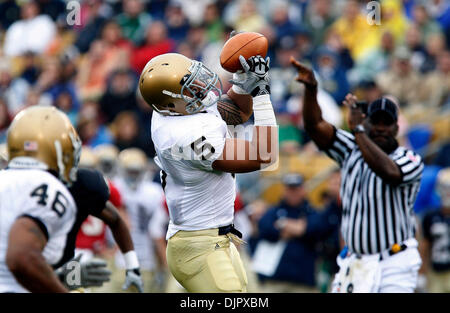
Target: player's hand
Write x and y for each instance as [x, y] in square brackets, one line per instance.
[304, 74]
[292, 228]
[160, 279]
[94, 273]
[91, 273]
[133, 279]
[356, 116]
[254, 78]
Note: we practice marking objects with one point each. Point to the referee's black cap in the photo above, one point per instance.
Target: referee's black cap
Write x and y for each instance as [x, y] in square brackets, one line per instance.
[293, 180]
[383, 105]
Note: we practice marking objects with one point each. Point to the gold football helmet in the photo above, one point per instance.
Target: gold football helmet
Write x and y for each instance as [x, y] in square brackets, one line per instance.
[43, 137]
[107, 157]
[88, 158]
[176, 85]
[133, 163]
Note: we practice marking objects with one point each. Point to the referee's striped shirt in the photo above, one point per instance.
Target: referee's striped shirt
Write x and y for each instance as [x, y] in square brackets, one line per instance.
[375, 214]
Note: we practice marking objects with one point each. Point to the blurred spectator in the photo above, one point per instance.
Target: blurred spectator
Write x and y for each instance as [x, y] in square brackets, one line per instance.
[112, 35]
[5, 120]
[281, 72]
[333, 41]
[107, 54]
[30, 67]
[177, 22]
[330, 247]
[368, 90]
[120, 95]
[213, 23]
[285, 256]
[255, 210]
[280, 21]
[134, 20]
[197, 40]
[426, 25]
[319, 19]
[187, 49]
[52, 82]
[33, 32]
[356, 33]
[62, 40]
[435, 249]
[193, 9]
[434, 46]
[13, 90]
[52, 8]
[332, 75]
[413, 40]
[440, 11]
[375, 61]
[248, 18]
[437, 82]
[64, 102]
[393, 19]
[91, 131]
[401, 81]
[443, 155]
[9, 13]
[35, 97]
[156, 43]
[211, 56]
[92, 21]
[127, 133]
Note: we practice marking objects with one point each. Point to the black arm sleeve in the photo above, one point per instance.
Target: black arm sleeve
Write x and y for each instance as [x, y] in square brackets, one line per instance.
[90, 191]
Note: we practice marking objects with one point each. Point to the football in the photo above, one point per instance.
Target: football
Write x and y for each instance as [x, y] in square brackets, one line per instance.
[246, 44]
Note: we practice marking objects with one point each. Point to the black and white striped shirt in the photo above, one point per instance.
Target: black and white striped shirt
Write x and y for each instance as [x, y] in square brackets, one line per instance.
[375, 214]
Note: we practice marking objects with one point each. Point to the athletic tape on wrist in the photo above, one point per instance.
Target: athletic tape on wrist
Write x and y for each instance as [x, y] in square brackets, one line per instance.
[131, 260]
[239, 90]
[263, 111]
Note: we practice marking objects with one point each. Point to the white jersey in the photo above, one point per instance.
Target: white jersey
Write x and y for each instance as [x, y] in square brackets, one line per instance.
[148, 219]
[42, 197]
[198, 197]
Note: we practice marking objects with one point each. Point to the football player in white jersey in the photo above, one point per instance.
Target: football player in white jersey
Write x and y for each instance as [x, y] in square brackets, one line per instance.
[144, 205]
[36, 209]
[198, 158]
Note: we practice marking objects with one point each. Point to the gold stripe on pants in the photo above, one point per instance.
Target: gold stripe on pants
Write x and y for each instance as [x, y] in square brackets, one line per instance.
[203, 261]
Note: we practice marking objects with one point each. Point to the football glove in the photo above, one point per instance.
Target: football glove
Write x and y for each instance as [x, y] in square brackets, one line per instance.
[133, 279]
[254, 79]
[92, 273]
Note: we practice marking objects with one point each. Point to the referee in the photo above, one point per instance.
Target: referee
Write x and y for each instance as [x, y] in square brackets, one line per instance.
[380, 181]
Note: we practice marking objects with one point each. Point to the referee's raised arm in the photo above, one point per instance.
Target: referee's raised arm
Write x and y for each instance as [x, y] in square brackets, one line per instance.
[320, 131]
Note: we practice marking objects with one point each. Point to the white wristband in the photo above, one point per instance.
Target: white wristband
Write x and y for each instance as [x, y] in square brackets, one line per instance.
[263, 111]
[238, 90]
[131, 260]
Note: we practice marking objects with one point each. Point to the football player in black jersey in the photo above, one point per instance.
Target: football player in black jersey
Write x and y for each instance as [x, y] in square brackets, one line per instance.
[91, 194]
[435, 244]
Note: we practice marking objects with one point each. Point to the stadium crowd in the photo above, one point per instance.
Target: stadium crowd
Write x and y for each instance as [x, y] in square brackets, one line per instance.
[88, 65]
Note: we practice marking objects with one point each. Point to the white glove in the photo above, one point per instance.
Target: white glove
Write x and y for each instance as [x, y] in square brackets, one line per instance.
[133, 278]
[91, 273]
[254, 79]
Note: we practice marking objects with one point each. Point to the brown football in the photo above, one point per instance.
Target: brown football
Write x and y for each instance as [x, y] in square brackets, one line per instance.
[246, 44]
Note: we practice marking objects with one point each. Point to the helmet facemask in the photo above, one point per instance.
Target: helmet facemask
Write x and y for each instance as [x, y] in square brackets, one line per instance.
[63, 162]
[133, 177]
[198, 85]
